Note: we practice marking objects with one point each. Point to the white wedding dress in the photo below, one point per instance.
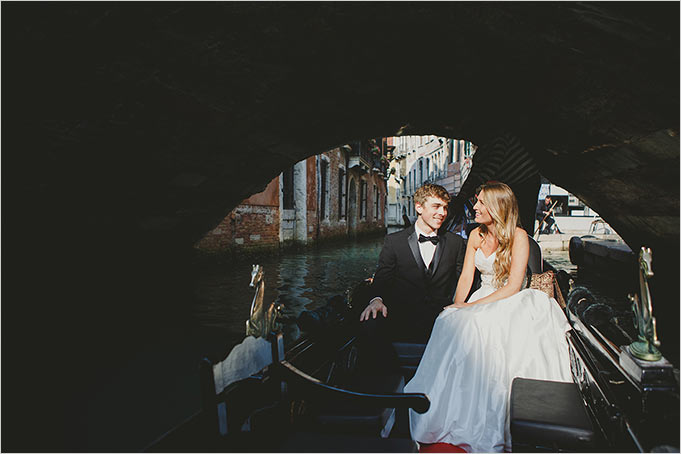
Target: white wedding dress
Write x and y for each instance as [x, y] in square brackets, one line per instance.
[472, 356]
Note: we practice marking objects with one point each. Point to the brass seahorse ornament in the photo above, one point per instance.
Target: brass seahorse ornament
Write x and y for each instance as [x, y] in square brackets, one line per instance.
[262, 320]
[645, 347]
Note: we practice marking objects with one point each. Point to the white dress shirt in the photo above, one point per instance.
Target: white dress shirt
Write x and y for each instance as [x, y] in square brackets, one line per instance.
[427, 248]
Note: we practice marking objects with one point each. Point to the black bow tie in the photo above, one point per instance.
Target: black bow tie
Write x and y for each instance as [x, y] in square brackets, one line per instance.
[432, 239]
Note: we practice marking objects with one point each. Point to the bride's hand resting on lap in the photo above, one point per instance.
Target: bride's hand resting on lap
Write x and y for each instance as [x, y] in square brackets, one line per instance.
[457, 305]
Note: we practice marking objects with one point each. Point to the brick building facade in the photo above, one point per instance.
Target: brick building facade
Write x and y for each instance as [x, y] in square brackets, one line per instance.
[254, 221]
[336, 194]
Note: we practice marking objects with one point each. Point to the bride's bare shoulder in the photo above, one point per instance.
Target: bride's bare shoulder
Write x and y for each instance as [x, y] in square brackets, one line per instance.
[520, 235]
[520, 231]
[474, 237]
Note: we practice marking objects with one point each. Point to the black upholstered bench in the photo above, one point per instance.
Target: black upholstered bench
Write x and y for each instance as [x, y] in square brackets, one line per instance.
[346, 416]
[365, 406]
[409, 356]
[549, 416]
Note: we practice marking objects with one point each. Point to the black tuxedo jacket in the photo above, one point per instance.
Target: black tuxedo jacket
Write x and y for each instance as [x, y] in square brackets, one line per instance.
[409, 289]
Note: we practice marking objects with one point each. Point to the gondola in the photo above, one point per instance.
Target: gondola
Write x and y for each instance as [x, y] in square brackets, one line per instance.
[312, 398]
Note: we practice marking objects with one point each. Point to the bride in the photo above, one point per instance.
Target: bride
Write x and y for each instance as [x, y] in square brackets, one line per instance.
[478, 347]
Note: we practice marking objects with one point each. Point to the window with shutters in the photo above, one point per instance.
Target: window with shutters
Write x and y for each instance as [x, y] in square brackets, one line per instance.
[342, 195]
[363, 200]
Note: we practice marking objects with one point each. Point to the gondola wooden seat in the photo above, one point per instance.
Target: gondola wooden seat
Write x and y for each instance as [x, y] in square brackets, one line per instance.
[409, 356]
[548, 416]
[365, 405]
[361, 412]
[345, 416]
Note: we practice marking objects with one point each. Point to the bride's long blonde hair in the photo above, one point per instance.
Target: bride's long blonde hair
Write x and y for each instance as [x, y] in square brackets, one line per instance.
[502, 206]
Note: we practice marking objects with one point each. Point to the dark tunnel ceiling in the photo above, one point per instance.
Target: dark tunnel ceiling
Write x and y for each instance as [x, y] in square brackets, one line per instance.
[162, 117]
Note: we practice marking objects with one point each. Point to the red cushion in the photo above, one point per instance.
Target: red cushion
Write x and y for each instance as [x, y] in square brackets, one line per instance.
[439, 447]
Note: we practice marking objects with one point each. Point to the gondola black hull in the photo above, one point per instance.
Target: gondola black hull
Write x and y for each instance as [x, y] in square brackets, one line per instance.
[311, 398]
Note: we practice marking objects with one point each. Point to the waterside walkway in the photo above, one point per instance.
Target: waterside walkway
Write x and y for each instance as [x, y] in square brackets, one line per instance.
[561, 242]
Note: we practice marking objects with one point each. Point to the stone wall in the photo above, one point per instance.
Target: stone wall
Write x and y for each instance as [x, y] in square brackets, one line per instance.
[254, 223]
[247, 226]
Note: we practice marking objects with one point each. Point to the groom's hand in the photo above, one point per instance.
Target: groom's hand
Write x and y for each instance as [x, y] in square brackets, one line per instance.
[375, 306]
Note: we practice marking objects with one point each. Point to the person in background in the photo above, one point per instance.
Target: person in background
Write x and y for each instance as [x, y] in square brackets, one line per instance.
[544, 213]
[405, 218]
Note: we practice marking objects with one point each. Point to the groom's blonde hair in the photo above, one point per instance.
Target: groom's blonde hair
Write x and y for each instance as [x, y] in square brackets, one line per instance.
[431, 190]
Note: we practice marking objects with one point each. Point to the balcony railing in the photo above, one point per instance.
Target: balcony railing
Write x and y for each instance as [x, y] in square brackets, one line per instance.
[359, 155]
[370, 155]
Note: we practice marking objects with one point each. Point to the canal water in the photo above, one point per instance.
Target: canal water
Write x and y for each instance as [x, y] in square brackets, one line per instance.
[162, 383]
[298, 280]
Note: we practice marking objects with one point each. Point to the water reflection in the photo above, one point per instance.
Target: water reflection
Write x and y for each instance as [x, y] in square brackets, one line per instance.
[299, 280]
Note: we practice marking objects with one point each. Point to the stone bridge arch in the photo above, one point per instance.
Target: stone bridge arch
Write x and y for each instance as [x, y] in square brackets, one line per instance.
[192, 109]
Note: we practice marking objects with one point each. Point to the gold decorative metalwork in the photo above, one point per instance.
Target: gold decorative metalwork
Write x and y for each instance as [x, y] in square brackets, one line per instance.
[262, 319]
[645, 347]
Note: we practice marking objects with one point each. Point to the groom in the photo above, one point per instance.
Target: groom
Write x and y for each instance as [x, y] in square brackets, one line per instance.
[417, 273]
